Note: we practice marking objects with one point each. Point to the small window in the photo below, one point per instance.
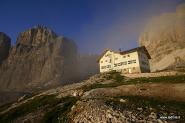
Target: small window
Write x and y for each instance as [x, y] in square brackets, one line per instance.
[101, 61]
[128, 55]
[124, 63]
[108, 66]
[134, 68]
[124, 56]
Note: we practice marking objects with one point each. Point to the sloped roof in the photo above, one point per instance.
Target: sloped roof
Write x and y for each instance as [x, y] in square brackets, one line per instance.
[142, 48]
[103, 54]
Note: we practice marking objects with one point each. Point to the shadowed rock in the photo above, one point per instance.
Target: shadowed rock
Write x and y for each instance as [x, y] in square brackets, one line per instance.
[39, 59]
[5, 44]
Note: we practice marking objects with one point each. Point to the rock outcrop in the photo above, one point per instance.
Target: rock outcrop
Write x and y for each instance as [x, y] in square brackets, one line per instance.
[5, 44]
[39, 59]
[164, 38]
[103, 100]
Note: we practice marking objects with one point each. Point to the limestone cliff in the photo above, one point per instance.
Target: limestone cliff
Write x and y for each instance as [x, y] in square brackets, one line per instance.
[39, 59]
[164, 38]
[5, 44]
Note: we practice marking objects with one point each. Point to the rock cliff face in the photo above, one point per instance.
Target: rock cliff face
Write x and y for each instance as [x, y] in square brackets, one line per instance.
[5, 44]
[164, 38]
[39, 59]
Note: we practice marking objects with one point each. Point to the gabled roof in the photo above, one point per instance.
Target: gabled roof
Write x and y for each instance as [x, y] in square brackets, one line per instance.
[103, 54]
[142, 48]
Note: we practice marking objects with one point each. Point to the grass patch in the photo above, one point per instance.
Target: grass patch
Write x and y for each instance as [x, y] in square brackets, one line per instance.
[140, 101]
[115, 76]
[99, 85]
[28, 107]
[160, 106]
[161, 79]
[59, 114]
[5, 106]
[119, 80]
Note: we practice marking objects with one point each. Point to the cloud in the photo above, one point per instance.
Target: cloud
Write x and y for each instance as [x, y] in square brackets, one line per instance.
[119, 26]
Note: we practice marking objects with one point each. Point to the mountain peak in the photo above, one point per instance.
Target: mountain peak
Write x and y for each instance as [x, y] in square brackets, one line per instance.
[36, 36]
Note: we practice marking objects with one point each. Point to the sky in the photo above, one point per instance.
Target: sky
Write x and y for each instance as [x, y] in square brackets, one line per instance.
[94, 25]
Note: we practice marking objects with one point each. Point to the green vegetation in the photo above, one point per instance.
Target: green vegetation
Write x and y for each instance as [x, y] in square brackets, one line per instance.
[5, 106]
[30, 106]
[159, 106]
[161, 79]
[59, 114]
[115, 76]
[120, 80]
[56, 108]
[139, 101]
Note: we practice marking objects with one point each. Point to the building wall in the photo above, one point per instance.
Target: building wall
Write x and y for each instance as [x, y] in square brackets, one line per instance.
[127, 63]
[144, 62]
[105, 62]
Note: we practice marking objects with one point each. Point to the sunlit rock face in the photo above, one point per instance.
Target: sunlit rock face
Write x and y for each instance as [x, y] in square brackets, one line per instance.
[164, 38]
[39, 59]
[5, 44]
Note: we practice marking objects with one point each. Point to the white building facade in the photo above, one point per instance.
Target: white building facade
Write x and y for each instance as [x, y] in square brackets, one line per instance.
[131, 61]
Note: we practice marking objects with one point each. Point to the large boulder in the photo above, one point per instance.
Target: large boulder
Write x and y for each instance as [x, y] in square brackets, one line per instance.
[164, 38]
[5, 44]
[39, 59]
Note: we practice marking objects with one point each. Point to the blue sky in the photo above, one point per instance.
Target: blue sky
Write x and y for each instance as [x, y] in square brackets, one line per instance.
[93, 24]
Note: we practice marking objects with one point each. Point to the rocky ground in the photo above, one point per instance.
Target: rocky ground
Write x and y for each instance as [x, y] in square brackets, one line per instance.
[104, 98]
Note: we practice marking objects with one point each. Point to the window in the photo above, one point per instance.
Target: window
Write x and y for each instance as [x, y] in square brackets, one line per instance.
[131, 61]
[103, 67]
[134, 68]
[110, 61]
[105, 60]
[108, 66]
[124, 63]
[124, 56]
[101, 61]
[128, 55]
[119, 64]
